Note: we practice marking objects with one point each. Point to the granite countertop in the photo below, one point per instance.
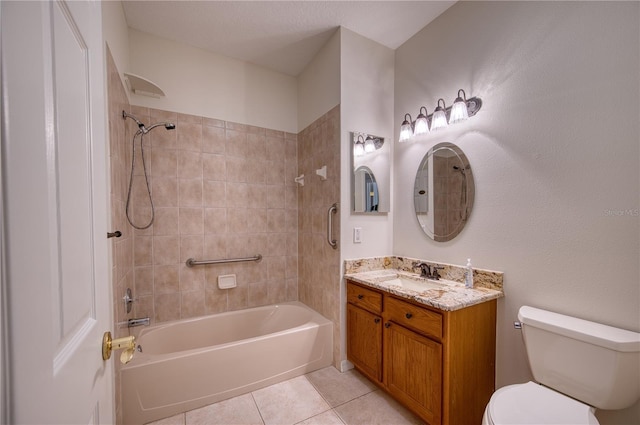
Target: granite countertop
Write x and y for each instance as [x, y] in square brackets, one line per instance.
[442, 294]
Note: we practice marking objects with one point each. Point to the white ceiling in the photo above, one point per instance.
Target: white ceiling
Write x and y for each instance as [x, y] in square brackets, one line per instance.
[280, 35]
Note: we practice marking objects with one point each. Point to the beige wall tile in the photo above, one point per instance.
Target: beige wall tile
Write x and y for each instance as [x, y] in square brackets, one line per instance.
[192, 303]
[190, 192]
[164, 192]
[167, 307]
[166, 221]
[214, 167]
[166, 279]
[189, 136]
[166, 250]
[164, 163]
[215, 220]
[214, 194]
[189, 165]
[191, 221]
[236, 143]
[213, 140]
[215, 301]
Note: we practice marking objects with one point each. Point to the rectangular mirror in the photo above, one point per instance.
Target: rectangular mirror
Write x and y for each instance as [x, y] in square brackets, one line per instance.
[371, 181]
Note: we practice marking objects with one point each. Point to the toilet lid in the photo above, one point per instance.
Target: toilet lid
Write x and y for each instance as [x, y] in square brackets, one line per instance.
[532, 403]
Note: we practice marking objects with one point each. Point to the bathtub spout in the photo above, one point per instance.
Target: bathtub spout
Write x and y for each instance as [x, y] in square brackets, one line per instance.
[138, 322]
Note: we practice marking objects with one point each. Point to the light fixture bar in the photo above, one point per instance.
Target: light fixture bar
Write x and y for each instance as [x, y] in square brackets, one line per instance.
[410, 128]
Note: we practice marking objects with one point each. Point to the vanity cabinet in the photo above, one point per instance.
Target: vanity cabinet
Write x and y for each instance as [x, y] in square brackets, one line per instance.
[364, 324]
[439, 364]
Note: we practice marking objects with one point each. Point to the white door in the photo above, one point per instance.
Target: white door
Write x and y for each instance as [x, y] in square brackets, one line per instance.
[54, 184]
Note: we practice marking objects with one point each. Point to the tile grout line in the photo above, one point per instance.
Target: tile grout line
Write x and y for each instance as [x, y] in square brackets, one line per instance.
[333, 408]
[257, 408]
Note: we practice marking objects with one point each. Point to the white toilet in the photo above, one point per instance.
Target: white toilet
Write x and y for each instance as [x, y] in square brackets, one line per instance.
[578, 366]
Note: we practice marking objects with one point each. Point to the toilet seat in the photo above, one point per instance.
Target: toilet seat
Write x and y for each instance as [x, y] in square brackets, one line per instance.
[532, 403]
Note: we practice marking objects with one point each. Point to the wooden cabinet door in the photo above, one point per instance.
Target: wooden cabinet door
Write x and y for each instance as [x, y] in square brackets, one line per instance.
[364, 341]
[413, 371]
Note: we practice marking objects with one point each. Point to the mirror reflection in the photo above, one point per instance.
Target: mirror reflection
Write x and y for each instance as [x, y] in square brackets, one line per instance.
[366, 190]
[370, 182]
[443, 192]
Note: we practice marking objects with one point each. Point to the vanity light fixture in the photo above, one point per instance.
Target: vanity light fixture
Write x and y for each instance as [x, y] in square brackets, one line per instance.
[422, 125]
[406, 131]
[358, 147]
[461, 110]
[439, 119]
[364, 144]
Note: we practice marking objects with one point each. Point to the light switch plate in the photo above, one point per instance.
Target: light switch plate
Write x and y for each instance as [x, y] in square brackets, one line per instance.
[357, 235]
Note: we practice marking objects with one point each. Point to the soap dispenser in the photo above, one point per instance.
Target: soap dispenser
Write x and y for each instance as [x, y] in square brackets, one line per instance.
[468, 276]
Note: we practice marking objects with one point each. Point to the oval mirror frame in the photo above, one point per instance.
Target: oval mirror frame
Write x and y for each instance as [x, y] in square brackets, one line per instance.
[443, 192]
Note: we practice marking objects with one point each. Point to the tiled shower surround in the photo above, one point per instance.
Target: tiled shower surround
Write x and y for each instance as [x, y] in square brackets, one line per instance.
[319, 264]
[220, 190]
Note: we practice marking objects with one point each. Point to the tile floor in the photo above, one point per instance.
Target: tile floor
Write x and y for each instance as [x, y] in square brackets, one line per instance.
[323, 397]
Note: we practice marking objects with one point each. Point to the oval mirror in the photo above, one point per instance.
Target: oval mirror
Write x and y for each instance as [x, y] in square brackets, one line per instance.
[443, 192]
[365, 190]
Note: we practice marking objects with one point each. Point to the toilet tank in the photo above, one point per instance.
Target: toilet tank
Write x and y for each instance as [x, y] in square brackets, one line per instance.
[591, 362]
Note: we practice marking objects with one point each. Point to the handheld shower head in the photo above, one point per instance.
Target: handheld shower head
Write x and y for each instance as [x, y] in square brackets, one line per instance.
[145, 130]
[167, 125]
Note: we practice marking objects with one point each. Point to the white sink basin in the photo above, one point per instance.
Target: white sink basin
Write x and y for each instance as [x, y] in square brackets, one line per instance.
[411, 284]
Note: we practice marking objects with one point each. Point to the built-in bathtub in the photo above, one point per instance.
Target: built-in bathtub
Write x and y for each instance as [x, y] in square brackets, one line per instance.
[191, 363]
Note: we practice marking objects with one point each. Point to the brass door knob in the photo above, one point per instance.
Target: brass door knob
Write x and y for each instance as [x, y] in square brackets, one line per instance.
[127, 343]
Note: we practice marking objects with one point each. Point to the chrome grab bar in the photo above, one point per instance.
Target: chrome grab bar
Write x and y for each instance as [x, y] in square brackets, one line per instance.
[332, 210]
[191, 262]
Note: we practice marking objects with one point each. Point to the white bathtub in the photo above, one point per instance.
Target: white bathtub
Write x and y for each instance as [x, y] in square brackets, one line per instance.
[191, 363]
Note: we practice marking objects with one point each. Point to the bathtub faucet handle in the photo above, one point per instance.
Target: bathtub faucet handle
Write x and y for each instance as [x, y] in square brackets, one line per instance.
[128, 300]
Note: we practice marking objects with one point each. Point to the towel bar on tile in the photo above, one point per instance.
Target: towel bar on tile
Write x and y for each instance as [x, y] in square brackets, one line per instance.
[191, 262]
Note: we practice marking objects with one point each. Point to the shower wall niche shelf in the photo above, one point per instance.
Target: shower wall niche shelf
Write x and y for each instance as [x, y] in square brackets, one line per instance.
[142, 86]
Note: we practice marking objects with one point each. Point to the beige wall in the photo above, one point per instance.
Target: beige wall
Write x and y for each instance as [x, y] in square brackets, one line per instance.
[319, 83]
[554, 153]
[116, 35]
[202, 83]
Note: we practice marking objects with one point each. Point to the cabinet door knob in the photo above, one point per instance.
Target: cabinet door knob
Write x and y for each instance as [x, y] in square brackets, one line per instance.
[408, 315]
[387, 325]
[360, 296]
[376, 320]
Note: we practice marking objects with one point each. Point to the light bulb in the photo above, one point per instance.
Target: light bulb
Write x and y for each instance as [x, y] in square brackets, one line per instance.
[369, 146]
[422, 125]
[459, 110]
[439, 119]
[358, 146]
[405, 129]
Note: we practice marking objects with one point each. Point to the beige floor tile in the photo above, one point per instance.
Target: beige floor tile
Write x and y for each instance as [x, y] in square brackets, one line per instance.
[327, 418]
[337, 388]
[239, 410]
[289, 402]
[173, 420]
[375, 408]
